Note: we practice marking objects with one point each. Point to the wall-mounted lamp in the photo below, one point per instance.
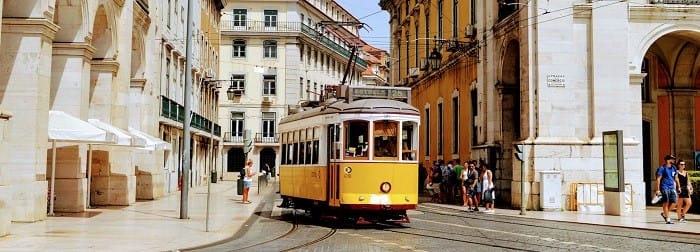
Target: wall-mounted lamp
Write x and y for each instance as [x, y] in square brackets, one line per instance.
[435, 59]
[231, 92]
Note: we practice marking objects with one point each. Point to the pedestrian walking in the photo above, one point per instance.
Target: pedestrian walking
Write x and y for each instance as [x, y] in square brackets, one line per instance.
[248, 181]
[435, 182]
[470, 186]
[487, 188]
[666, 185]
[684, 201]
[457, 187]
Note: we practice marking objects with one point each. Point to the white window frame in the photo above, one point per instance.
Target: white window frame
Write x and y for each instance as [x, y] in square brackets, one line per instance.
[239, 50]
[269, 85]
[270, 49]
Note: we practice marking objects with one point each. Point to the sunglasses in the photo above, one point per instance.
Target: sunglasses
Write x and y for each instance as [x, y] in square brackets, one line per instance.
[681, 164]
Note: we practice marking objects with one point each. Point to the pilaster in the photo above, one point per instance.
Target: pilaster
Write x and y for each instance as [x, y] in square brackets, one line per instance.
[71, 76]
[26, 54]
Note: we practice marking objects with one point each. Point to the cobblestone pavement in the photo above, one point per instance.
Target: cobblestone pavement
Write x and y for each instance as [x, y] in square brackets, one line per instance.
[435, 228]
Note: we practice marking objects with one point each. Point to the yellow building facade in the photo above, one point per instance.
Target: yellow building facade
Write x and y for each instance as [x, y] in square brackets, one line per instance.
[435, 53]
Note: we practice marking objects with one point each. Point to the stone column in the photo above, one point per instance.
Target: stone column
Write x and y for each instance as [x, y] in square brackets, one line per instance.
[5, 200]
[114, 179]
[26, 55]
[69, 93]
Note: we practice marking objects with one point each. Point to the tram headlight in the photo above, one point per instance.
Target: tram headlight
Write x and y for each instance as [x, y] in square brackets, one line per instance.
[407, 199]
[361, 198]
[385, 187]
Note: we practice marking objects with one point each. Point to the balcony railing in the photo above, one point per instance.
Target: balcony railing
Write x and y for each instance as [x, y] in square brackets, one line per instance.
[230, 138]
[688, 2]
[259, 26]
[266, 138]
[176, 112]
[330, 43]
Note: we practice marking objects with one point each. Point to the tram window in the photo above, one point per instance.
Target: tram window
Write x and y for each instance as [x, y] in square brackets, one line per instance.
[316, 154]
[284, 154]
[309, 152]
[295, 156]
[302, 153]
[338, 146]
[408, 141]
[356, 134]
[385, 138]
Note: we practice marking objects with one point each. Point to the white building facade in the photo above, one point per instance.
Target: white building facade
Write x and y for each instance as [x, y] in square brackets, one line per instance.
[554, 75]
[94, 59]
[279, 55]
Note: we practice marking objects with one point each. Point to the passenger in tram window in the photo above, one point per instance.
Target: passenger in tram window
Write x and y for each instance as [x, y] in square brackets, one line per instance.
[385, 147]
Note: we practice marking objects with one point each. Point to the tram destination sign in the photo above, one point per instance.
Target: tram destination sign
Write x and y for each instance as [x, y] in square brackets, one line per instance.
[380, 92]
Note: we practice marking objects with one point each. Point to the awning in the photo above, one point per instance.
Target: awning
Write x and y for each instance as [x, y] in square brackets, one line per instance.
[151, 142]
[67, 128]
[123, 137]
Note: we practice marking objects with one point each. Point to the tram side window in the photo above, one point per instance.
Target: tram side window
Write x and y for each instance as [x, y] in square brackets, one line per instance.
[409, 142]
[295, 151]
[302, 153]
[336, 138]
[356, 134]
[284, 149]
[307, 157]
[314, 148]
[385, 138]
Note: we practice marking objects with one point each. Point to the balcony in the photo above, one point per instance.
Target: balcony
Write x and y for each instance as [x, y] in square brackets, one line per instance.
[687, 2]
[176, 112]
[330, 43]
[259, 26]
[228, 26]
[263, 138]
[234, 139]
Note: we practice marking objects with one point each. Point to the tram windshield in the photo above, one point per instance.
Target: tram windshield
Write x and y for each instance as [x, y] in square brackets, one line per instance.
[356, 137]
[385, 138]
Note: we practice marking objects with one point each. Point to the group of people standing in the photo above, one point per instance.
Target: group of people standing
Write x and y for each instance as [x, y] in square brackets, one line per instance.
[673, 187]
[447, 181]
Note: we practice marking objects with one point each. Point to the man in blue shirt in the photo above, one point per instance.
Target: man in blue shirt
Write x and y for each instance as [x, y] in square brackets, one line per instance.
[666, 185]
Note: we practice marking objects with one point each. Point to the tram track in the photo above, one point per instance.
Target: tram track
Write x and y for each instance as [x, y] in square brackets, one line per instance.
[536, 223]
[294, 228]
[330, 233]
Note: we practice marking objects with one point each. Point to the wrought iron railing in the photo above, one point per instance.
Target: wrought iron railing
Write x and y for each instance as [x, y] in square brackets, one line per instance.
[266, 26]
[176, 112]
[266, 138]
[688, 2]
[231, 138]
[259, 26]
[330, 43]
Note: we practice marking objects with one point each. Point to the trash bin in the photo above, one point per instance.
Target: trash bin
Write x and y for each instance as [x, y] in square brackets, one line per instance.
[213, 176]
[239, 185]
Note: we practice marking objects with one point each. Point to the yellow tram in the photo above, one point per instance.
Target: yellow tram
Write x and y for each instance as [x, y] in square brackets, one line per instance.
[353, 158]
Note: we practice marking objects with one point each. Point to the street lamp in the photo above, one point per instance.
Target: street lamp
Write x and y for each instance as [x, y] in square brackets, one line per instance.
[231, 92]
[434, 59]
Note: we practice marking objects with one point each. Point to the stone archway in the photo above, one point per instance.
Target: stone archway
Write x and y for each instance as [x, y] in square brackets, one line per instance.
[509, 90]
[268, 156]
[671, 100]
[70, 71]
[235, 160]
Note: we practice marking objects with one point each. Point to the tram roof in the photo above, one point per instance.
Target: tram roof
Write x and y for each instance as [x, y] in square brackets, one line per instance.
[364, 106]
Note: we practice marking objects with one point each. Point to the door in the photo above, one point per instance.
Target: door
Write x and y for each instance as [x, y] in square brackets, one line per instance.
[333, 156]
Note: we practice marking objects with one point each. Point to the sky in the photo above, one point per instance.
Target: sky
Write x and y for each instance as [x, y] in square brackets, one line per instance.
[369, 12]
